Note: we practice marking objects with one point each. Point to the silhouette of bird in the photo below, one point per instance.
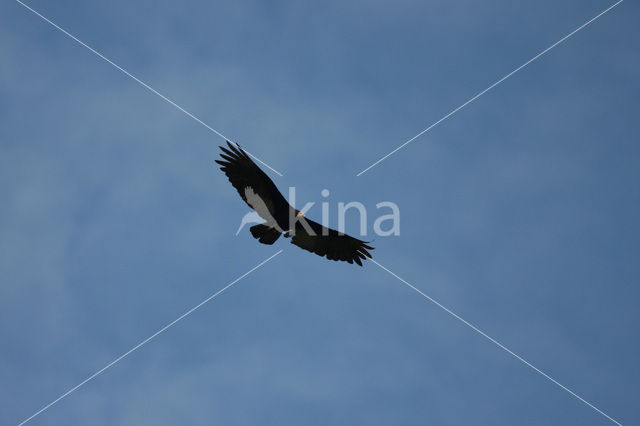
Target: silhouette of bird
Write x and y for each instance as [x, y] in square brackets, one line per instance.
[262, 195]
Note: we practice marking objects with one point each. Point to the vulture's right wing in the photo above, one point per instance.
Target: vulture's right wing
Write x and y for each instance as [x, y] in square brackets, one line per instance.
[253, 185]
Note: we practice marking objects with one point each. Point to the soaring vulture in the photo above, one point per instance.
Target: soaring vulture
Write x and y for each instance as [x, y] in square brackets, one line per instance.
[262, 195]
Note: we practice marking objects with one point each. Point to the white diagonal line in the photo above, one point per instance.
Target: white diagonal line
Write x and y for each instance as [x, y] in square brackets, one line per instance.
[490, 87]
[136, 347]
[142, 83]
[500, 345]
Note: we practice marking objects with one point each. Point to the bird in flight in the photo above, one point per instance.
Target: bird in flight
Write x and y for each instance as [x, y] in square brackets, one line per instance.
[262, 195]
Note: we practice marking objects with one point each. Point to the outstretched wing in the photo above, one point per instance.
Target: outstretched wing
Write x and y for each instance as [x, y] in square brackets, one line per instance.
[253, 185]
[330, 243]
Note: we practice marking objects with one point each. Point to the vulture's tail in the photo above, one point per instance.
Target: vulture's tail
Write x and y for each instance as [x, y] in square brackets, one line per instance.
[265, 234]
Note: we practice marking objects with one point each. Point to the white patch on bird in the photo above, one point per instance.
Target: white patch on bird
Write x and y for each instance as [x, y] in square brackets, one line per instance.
[259, 206]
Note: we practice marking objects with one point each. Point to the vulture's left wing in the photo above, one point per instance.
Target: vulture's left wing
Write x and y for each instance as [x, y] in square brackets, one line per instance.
[330, 243]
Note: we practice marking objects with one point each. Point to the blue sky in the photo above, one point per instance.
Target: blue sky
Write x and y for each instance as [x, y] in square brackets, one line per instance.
[520, 212]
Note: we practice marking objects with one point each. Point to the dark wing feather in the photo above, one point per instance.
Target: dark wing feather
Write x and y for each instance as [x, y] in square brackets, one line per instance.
[330, 243]
[243, 173]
